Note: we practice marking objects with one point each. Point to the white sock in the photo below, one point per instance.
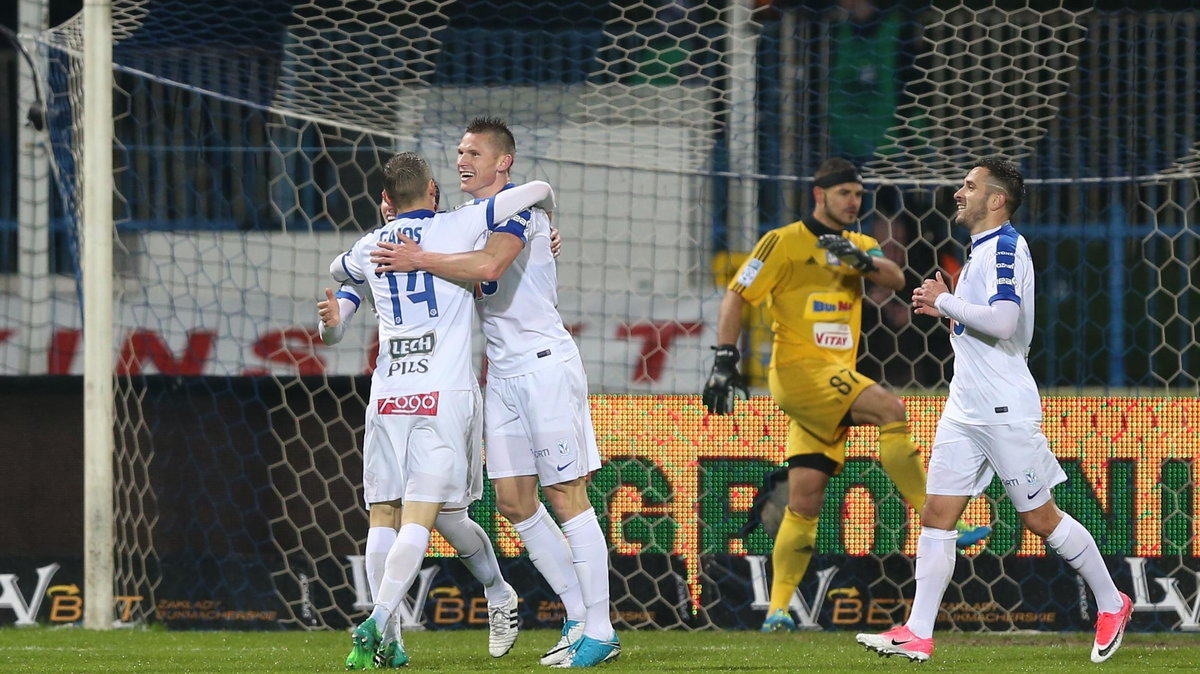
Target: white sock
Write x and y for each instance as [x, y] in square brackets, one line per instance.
[475, 551]
[590, 552]
[1075, 545]
[935, 566]
[551, 556]
[403, 565]
[379, 542]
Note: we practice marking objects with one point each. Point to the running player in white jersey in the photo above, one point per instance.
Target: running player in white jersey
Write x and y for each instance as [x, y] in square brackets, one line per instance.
[421, 449]
[537, 423]
[992, 421]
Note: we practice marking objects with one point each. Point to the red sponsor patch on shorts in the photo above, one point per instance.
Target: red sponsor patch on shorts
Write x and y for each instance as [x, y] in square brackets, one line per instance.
[420, 404]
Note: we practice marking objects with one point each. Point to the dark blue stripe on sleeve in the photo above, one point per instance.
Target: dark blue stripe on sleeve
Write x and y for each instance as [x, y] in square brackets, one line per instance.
[343, 295]
[517, 225]
[347, 270]
[491, 210]
[1006, 266]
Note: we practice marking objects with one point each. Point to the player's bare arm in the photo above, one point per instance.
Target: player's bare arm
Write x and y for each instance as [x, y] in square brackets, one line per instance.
[729, 317]
[486, 264]
[887, 274]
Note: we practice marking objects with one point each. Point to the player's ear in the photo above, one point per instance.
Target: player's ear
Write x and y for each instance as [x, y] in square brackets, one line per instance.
[505, 163]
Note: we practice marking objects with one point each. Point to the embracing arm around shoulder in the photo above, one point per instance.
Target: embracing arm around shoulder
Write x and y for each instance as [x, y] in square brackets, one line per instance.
[487, 264]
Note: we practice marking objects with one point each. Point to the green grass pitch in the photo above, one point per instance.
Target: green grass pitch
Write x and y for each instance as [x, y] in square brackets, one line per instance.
[646, 652]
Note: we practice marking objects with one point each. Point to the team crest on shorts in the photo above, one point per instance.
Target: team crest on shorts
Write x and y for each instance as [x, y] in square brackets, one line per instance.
[563, 447]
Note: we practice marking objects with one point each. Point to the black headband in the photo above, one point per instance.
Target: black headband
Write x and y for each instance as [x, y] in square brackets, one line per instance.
[845, 176]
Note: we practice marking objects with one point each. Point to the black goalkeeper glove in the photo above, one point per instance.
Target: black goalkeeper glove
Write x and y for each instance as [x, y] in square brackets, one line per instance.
[724, 386]
[845, 250]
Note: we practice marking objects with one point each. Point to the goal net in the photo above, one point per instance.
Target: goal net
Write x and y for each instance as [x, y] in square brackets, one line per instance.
[250, 138]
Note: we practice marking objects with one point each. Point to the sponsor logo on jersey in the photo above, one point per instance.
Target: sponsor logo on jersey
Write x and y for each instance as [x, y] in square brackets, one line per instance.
[829, 306]
[750, 271]
[416, 404]
[836, 336]
[401, 347]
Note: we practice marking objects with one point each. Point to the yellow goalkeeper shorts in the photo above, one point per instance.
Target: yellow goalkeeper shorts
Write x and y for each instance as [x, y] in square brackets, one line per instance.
[816, 395]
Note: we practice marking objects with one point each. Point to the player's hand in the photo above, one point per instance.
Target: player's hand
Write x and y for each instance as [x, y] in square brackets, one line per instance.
[924, 297]
[385, 209]
[400, 257]
[555, 242]
[724, 387]
[845, 250]
[328, 310]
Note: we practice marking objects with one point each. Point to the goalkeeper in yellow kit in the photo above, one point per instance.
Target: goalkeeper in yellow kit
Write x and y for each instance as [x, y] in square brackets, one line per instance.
[810, 275]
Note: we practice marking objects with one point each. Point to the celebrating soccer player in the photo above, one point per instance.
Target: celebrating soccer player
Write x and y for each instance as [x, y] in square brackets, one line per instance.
[537, 423]
[422, 446]
[810, 274]
[992, 422]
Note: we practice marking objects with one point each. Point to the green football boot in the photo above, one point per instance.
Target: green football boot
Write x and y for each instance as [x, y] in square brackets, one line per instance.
[365, 640]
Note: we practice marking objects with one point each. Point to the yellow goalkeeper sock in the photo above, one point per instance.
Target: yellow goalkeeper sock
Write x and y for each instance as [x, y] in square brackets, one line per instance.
[793, 550]
[902, 462]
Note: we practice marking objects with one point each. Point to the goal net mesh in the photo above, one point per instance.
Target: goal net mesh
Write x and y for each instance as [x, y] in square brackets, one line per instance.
[249, 143]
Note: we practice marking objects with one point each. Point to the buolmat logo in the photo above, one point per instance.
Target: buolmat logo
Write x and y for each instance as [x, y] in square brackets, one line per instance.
[422, 404]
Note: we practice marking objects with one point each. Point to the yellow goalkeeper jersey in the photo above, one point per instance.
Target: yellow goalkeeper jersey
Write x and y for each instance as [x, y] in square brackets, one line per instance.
[815, 300]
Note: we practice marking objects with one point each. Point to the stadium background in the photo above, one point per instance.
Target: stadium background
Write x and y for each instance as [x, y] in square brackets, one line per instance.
[675, 132]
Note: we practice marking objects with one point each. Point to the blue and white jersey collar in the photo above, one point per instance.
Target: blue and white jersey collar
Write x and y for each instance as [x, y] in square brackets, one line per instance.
[419, 214]
[979, 238]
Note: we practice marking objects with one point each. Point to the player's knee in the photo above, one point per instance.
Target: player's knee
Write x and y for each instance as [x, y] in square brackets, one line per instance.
[514, 508]
[938, 514]
[568, 499]
[877, 406]
[891, 409]
[1041, 521]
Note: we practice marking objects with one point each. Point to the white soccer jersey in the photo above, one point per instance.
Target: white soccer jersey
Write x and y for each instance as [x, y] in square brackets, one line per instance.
[992, 383]
[425, 321]
[520, 310]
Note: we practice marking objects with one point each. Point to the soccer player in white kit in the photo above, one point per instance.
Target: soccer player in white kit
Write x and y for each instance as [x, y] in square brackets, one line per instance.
[537, 423]
[422, 444]
[991, 424]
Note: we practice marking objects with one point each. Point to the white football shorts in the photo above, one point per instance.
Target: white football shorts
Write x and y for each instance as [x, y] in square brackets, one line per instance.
[424, 447]
[539, 423]
[965, 457]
